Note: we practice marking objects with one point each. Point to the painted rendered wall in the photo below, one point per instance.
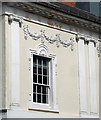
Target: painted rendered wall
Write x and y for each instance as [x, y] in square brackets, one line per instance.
[2, 62]
[67, 64]
[67, 79]
[8, 67]
[88, 77]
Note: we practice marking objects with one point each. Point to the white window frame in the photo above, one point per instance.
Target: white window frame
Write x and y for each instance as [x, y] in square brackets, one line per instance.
[43, 51]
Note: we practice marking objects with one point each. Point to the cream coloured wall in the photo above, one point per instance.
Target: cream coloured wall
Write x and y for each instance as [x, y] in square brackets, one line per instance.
[67, 69]
[87, 77]
[67, 79]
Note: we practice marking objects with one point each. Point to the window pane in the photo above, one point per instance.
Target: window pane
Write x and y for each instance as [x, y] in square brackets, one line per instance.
[34, 97]
[44, 90]
[34, 88]
[35, 78]
[39, 61]
[34, 60]
[38, 88]
[47, 90]
[43, 98]
[39, 98]
[45, 62]
[40, 69]
[47, 99]
[45, 80]
[34, 69]
[44, 70]
[40, 79]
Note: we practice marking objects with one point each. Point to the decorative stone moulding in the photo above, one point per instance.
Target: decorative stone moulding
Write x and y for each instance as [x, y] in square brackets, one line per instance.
[99, 48]
[44, 37]
[86, 38]
[12, 18]
[90, 39]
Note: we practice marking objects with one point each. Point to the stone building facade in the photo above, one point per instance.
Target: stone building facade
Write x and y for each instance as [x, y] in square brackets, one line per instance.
[49, 61]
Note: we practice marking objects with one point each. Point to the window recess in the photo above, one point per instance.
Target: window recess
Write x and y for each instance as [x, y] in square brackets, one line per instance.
[43, 80]
[41, 76]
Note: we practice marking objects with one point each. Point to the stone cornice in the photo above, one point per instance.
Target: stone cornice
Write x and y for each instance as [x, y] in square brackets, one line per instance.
[57, 15]
[80, 37]
[86, 38]
[90, 39]
[12, 18]
[74, 11]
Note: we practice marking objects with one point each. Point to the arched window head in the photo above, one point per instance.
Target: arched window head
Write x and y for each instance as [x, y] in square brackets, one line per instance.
[42, 50]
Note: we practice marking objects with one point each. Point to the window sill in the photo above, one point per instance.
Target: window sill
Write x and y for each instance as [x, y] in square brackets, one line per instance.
[42, 107]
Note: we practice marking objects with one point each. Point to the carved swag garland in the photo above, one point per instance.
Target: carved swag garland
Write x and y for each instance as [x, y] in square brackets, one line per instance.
[51, 39]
